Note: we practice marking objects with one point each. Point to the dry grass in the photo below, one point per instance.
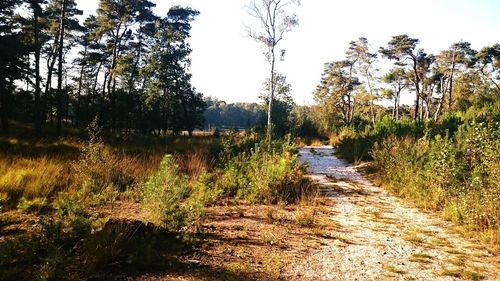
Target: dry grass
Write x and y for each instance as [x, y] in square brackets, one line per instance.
[305, 215]
[193, 164]
[309, 142]
[394, 269]
[33, 177]
[460, 273]
[413, 237]
[420, 258]
[41, 168]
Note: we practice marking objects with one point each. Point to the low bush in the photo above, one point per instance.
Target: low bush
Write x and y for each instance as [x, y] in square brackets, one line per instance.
[267, 174]
[457, 175]
[354, 145]
[174, 202]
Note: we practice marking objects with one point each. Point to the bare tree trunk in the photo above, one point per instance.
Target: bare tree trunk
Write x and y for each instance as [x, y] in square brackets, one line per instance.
[37, 118]
[438, 110]
[397, 104]
[80, 81]
[112, 79]
[394, 107]
[51, 61]
[417, 88]
[274, 24]
[352, 110]
[60, 66]
[133, 72]
[103, 91]
[3, 109]
[94, 91]
[372, 110]
[422, 107]
[441, 100]
[348, 110]
[271, 97]
[451, 79]
[427, 108]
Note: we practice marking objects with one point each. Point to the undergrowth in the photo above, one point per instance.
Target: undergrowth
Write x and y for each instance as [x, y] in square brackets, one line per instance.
[457, 175]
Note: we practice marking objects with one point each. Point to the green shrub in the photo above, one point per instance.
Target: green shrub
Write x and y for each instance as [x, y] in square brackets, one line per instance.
[205, 190]
[457, 175]
[354, 145]
[36, 205]
[268, 174]
[232, 179]
[67, 204]
[170, 200]
[164, 195]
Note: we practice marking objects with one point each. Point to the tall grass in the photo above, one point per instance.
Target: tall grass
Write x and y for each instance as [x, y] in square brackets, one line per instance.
[32, 178]
[33, 169]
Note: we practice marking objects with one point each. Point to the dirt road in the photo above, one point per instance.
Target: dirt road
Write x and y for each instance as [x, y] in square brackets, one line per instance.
[380, 237]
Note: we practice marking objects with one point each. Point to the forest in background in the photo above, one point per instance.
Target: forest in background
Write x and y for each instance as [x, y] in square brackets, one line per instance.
[130, 69]
[123, 64]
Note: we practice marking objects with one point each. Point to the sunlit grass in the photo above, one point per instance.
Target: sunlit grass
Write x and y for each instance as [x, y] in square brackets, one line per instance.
[420, 258]
[31, 168]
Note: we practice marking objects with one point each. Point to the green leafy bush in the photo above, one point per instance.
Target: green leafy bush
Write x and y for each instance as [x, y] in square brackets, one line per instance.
[170, 200]
[354, 145]
[267, 174]
[458, 175]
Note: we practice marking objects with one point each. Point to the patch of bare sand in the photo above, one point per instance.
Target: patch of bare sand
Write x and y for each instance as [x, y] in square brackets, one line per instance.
[384, 238]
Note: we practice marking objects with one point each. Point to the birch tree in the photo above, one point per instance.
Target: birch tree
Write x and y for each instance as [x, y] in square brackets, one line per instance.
[273, 22]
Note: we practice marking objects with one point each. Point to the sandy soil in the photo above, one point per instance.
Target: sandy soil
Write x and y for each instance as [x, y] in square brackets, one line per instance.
[380, 237]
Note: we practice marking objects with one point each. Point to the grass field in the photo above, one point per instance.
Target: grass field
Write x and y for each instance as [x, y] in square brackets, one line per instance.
[101, 199]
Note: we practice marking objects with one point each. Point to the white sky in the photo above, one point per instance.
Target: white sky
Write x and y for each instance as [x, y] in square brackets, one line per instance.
[229, 65]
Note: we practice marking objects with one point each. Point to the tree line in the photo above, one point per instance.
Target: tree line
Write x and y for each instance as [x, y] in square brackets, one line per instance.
[124, 65]
[222, 115]
[452, 80]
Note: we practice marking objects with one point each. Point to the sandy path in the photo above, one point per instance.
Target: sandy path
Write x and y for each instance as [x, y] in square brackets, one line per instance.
[379, 237]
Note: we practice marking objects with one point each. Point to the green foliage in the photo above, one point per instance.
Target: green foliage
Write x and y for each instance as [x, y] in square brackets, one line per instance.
[100, 173]
[302, 125]
[32, 206]
[458, 175]
[266, 175]
[354, 145]
[231, 180]
[67, 204]
[172, 201]
[224, 115]
[164, 192]
[282, 104]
